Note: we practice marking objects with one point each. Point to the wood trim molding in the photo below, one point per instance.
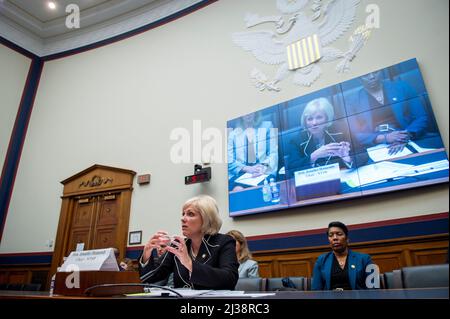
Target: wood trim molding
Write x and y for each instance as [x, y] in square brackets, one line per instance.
[382, 243]
[86, 171]
[387, 254]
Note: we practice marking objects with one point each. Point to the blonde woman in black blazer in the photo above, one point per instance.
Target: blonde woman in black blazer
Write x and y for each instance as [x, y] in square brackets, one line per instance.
[201, 258]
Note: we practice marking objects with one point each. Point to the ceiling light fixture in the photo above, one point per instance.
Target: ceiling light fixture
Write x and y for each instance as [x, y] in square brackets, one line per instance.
[52, 5]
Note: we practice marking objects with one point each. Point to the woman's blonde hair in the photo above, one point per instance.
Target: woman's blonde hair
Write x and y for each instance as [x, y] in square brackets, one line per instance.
[244, 253]
[320, 104]
[207, 207]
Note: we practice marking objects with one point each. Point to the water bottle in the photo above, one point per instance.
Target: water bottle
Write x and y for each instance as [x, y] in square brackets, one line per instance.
[52, 284]
[275, 191]
[267, 193]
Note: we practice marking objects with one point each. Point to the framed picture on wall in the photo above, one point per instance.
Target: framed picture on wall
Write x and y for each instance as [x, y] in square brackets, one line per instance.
[135, 237]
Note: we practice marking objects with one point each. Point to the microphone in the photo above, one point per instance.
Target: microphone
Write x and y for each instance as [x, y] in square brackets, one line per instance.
[116, 289]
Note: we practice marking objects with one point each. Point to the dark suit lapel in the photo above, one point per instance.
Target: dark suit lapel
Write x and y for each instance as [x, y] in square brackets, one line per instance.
[352, 268]
[396, 104]
[390, 94]
[203, 254]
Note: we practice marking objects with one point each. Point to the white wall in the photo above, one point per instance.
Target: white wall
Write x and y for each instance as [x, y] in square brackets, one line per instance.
[117, 105]
[13, 73]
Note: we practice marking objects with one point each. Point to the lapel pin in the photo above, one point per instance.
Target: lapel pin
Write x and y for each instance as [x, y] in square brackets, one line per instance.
[204, 256]
[353, 266]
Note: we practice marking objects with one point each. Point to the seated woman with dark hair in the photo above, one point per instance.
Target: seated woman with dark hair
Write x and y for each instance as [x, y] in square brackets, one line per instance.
[342, 268]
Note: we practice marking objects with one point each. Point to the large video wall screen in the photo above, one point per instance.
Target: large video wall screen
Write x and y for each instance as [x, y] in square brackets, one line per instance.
[372, 134]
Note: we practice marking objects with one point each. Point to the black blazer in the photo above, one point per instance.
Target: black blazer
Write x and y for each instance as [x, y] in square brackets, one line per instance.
[303, 146]
[215, 267]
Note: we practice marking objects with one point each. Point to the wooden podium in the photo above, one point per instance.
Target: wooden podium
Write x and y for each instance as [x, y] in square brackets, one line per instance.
[89, 279]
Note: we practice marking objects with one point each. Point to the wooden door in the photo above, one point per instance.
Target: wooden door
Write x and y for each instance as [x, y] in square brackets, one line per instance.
[96, 222]
[82, 224]
[95, 210]
[107, 222]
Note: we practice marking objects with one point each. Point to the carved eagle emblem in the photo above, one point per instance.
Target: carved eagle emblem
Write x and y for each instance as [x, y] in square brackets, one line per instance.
[301, 39]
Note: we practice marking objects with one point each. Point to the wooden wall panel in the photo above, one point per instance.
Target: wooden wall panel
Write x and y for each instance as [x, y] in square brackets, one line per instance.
[430, 256]
[387, 261]
[18, 277]
[387, 254]
[3, 277]
[265, 269]
[295, 268]
[22, 274]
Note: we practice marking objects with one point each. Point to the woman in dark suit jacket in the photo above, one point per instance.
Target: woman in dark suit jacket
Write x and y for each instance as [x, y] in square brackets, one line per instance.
[316, 145]
[202, 259]
[342, 268]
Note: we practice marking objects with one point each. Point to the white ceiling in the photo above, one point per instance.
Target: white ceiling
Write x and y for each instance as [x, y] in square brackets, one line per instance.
[32, 25]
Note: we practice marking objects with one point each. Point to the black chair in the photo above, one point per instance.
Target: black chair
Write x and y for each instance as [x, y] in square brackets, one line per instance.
[425, 276]
[307, 283]
[393, 279]
[250, 284]
[274, 284]
[382, 281]
[31, 287]
[17, 287]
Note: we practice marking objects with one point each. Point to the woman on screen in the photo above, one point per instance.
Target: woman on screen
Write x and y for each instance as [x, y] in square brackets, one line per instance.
[248, 268]
[393, 113]
[201, 258]
[252, 150]
[342, 268]
[317, 145]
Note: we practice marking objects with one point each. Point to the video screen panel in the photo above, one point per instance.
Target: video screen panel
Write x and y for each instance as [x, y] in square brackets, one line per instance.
[372, 134]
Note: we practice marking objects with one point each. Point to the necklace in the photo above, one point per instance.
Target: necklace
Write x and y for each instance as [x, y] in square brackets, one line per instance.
[342, 261]
[342, 264]
[192, 254]
[379, 96]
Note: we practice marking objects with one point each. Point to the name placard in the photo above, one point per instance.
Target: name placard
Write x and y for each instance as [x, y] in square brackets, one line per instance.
[97, 259]
[317, 175]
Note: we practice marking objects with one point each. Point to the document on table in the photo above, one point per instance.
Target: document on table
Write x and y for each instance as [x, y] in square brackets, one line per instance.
[425, 168]
[418, 148]
[380, 152]
[383, 171]
[248, 179]
[158, 292]
[378, 172]
[190, 293]
[233, 293]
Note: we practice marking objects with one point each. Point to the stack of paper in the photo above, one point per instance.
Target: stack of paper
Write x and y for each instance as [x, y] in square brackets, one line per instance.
[248, 179]
[378, 172]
